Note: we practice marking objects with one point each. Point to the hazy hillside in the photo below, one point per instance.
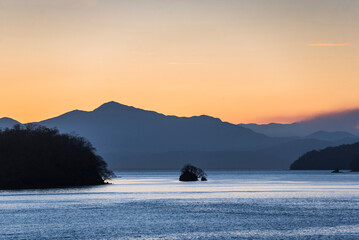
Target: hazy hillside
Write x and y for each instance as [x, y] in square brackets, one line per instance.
[279, 130]
[275, 157]
[331, 136]
[346, 121]
[118, 130]
[132, 138]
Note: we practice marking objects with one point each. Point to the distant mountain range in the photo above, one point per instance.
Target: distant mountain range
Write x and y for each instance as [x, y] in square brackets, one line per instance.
[132, 138]
[331, 136]
[346, 121]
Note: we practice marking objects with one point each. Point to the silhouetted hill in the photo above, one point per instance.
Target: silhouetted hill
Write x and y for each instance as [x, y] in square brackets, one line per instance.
[119, 131]
[7, 122]
[39, 157]
[290, 151]
[346, 121]
[327, 159]
[132, 138]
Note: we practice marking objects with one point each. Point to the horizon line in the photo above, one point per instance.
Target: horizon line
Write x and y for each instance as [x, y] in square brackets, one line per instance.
[305, 118]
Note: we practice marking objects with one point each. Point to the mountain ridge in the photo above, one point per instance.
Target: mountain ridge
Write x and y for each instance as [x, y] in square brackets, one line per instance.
[7, 122]
[125, 135]
[331, 136]
[344, 121]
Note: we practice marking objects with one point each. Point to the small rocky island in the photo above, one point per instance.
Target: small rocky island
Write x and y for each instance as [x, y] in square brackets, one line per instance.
[192, 173]
[39, 157]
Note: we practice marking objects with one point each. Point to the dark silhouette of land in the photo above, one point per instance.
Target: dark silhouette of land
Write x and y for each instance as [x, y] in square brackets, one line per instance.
[39, 157]
[340, 157]
[132, 138]
[192, 173]
[354, 165]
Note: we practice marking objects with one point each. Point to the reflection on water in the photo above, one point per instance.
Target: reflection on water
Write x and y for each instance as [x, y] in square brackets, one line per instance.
[155, 205]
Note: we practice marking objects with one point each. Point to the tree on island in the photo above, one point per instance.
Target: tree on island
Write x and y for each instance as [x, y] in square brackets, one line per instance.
[192, 173]
[38, 157]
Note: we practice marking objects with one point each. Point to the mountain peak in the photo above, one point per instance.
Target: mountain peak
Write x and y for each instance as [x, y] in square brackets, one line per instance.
[8, 122]
[7, 119]
[112, 105]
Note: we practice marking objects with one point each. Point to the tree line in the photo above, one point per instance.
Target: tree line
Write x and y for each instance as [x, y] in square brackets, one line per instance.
[341, 157]
[35, 156]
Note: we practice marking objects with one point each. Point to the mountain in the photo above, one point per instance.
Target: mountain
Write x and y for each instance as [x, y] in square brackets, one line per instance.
[7, 122]
[135, 130]
[331, 136]
[132, 138]
[292, 150]
[346, 121]
[277, 129]
[120, 133]
[329, 158]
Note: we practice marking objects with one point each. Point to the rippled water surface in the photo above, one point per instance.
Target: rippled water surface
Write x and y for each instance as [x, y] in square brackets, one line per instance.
[155, 205]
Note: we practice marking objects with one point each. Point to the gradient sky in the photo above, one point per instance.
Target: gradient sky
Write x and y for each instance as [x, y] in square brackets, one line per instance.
[239, 60]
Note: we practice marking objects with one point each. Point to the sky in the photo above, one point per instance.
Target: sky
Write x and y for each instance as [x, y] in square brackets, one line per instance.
[240, 60]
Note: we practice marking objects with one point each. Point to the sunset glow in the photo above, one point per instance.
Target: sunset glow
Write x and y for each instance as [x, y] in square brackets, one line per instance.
[238, 60]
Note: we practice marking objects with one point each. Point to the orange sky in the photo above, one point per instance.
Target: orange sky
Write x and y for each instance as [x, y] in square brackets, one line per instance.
[239, 60]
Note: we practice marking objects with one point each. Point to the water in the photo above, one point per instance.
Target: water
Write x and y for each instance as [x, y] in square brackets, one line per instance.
[155, 205]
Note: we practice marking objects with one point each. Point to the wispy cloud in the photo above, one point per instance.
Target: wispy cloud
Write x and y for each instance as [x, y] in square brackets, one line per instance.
[185, 63]
[342, 44]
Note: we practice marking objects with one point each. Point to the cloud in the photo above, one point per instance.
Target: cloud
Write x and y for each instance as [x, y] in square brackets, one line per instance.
[185, 63]
[329, 44]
